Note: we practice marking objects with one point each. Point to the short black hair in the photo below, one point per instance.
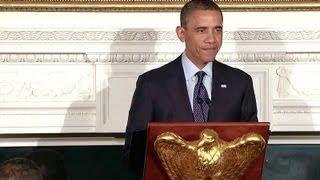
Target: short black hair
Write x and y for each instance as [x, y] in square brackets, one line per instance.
[20, 169]
[197, 5]
[51, 164]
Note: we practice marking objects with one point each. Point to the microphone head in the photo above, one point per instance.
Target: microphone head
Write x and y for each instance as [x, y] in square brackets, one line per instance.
[208, 101]
[199, 100]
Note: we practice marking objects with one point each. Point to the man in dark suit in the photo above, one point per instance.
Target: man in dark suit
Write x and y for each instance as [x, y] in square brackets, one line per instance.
[178, 91]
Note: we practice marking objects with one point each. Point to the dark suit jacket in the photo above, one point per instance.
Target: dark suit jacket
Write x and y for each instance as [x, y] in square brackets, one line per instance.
[161, 95]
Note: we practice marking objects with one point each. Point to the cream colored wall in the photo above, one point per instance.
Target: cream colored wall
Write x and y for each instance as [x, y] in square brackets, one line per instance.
[76, 72]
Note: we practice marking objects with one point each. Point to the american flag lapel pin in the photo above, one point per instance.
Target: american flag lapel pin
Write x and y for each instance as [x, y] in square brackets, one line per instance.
[223, 86]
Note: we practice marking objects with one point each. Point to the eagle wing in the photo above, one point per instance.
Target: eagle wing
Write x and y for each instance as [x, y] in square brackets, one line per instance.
[240, 153]
[178, 157]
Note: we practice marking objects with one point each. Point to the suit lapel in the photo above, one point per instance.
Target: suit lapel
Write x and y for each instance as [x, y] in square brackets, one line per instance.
[176, 85]
[218, 81]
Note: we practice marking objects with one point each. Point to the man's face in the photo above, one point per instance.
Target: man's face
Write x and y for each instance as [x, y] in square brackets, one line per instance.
[202, 35]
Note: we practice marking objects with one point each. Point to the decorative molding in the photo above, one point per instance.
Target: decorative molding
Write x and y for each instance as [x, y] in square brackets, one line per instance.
[142, 35]
[105, 141]
[146, 57]
[116, 86]
[36, 121]
[131, 58]
[28, 90]
[294, 111]
[296, 107]
[42, 83]
[296, 103]
[271, 35]
[260, 77]
[291, 122]
[291, 82]
[83, 118]
[43, 57]
[113, 36]
[152, 57]
[62, 141]
[294, 139]
[152, 5]
[270, 57]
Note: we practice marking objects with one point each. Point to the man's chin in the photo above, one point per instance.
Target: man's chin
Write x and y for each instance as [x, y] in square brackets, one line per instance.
[212, 58]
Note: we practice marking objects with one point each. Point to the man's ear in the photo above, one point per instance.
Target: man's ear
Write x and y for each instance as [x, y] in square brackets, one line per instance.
[180, 33]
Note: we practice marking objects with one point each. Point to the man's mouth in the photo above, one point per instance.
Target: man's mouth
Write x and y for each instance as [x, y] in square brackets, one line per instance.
[210, 49]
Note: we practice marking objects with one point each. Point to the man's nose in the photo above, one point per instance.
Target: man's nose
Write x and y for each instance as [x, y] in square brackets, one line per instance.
[211, 37]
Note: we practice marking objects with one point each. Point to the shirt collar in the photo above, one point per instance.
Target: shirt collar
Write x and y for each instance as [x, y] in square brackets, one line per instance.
[190, 69]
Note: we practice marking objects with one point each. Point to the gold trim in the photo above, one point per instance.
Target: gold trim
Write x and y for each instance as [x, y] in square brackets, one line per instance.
[153, 5]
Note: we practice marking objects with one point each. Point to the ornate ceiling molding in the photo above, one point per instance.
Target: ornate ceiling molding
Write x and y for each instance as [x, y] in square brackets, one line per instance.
[152, 5]
[152, 57]
[150, 36]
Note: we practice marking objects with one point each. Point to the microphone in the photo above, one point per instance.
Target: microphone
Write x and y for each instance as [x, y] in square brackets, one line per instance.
[208, 101]
[199, 100]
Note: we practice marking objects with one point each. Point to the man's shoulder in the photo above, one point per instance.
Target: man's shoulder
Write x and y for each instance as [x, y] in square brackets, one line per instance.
[164, 71]
[231, 71]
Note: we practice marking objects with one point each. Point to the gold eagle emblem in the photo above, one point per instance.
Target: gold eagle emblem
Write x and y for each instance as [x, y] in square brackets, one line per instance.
[209, 157]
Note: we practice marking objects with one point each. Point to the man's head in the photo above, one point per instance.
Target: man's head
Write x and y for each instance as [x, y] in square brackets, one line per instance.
[201, 30]
[19, 169]
[197, 5]
[51, 164]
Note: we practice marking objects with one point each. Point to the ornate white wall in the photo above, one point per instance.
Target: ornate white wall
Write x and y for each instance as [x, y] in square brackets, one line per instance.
[76, 72]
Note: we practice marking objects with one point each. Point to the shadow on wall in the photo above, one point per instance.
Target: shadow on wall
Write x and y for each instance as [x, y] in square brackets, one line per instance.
[252, 55]
[116, 74]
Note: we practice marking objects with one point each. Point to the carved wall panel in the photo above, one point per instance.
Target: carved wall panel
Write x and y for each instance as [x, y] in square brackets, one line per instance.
[116, 86]
[43, 83]
[297, 82]
[296, 95]
[47, 98]
[83, 81]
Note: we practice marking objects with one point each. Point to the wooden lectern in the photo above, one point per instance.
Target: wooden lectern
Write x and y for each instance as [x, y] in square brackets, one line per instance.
[227, 131]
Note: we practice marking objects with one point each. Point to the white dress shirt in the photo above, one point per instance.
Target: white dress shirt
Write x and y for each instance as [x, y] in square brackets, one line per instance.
[191, 79]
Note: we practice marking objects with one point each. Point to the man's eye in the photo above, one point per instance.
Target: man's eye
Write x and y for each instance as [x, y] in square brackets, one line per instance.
[201, 30]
